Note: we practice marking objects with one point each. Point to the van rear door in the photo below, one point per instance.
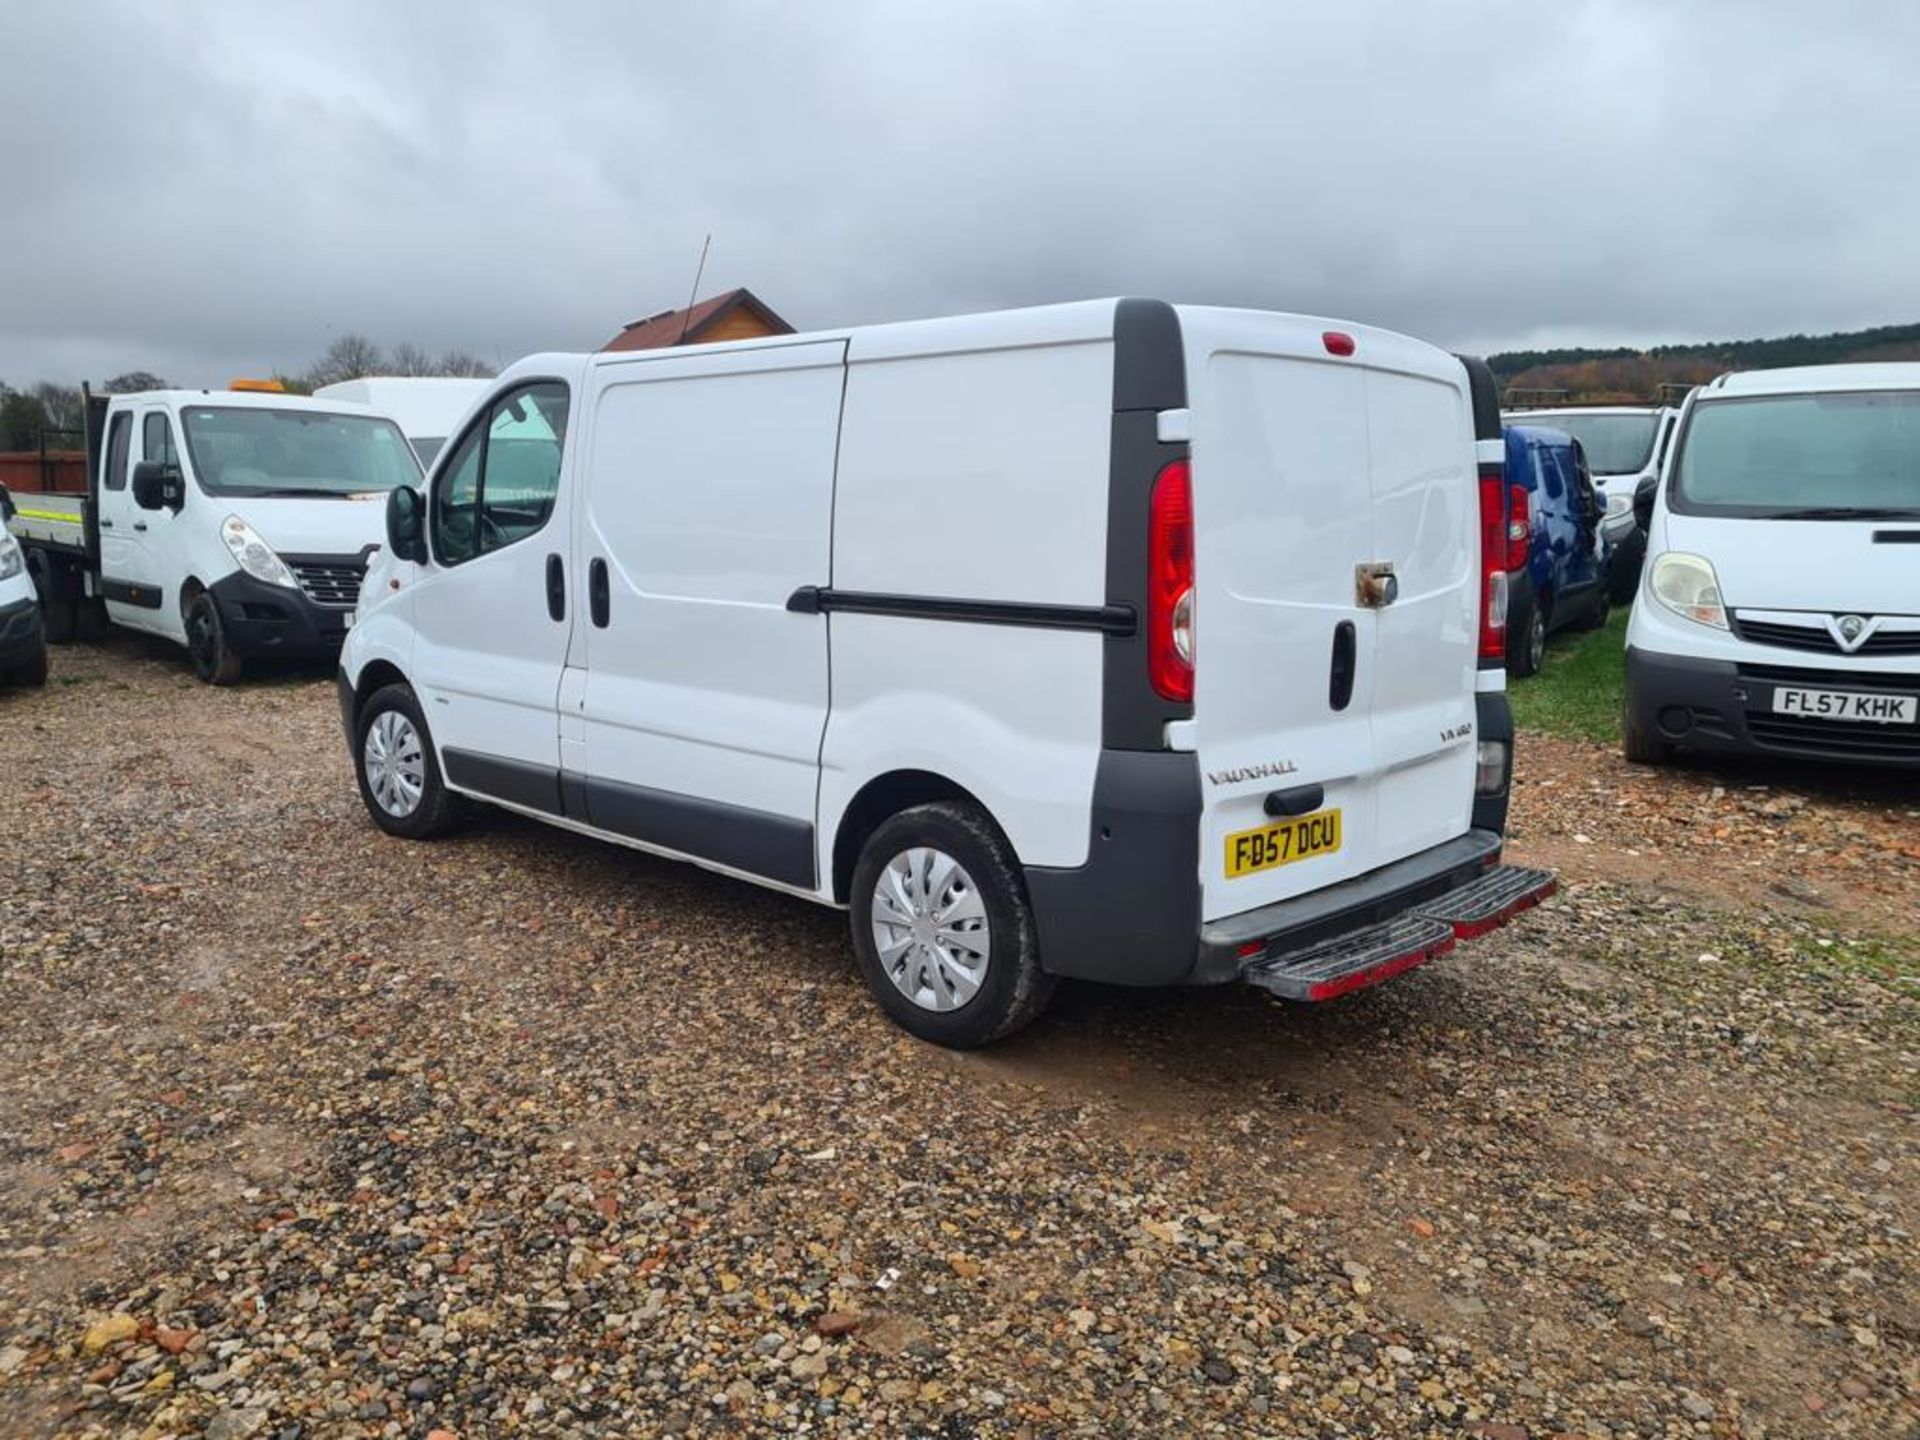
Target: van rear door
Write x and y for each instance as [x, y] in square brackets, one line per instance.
[1336, 613]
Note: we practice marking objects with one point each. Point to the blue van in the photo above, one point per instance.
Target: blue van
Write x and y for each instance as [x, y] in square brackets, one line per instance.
[1564, 581]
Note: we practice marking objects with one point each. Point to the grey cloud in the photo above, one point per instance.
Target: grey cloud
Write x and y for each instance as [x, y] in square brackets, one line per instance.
[221, 188]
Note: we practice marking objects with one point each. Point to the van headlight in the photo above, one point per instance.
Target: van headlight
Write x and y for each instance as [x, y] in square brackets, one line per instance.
[12, 562]
[254, 555]
[1687, 586]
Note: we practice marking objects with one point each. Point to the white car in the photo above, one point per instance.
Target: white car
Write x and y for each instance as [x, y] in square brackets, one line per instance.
[1109, 640]
[236, 523]
[23, 640]
[1780, 609]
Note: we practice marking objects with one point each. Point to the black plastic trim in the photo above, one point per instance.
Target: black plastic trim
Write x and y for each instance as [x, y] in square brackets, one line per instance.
[1896, 537]
[1129, 916]
[822, 599]
[518, 782]
[1493, 720]
[774, 846]
[1149, 375]
[1718, 696]
[1300, 800]
[22, 637]
[1485, 391]
[267, 621]
[130, 592]
[349, 705]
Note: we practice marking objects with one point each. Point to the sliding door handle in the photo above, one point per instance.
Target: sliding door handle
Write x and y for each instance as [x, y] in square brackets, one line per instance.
[597, 592]
[556, 588]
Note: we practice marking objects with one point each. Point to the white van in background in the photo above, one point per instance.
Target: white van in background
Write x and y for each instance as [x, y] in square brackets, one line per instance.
[1624, 445]
[1108, 640]
[1780, 612]
[425, 407]
[23, 640]
[237, 523]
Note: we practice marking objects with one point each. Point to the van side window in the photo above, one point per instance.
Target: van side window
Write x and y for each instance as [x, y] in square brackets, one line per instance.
[501, 483]
[156, 439]
[119, 441]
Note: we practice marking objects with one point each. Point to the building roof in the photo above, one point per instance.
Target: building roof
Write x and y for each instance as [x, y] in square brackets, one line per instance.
[683, 327]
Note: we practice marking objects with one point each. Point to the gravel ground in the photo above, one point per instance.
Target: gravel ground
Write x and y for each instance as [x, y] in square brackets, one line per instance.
[307, 1132]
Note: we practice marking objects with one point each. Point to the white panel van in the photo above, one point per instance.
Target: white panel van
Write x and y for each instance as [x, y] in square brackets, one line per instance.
[1108, 640]
[1780, 610]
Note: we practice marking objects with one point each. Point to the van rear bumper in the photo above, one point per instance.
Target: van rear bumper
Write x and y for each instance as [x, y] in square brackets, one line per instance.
[1227, 946]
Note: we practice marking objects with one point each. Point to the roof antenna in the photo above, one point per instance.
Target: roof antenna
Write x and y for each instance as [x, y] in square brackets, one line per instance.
[686, 320]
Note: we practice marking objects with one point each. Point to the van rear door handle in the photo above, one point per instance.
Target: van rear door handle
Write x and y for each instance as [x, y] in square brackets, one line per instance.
[556, 588]
[597, 592]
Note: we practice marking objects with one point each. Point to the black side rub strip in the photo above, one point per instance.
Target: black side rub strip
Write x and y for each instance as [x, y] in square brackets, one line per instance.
[1896, 537]
[130, 592]
[1105, 619]
[774, 846]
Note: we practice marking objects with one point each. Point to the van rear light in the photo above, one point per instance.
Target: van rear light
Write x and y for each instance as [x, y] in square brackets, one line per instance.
[1170, 583]
[1494, 543]
[1519, 527]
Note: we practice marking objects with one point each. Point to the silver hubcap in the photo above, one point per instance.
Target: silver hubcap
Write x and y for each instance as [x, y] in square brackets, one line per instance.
[930, 927]
[396, 768]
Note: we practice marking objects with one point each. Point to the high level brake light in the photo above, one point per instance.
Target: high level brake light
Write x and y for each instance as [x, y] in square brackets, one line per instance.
[1170, 583]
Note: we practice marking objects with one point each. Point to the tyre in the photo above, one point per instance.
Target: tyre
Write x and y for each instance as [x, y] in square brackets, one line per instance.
[34, 672]
[394, 763]
[1527, 649]
[213, 658]
[942, 928]
[1640, 746]
[59, 614]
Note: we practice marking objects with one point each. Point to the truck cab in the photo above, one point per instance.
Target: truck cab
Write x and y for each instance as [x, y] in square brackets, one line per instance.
[236, 523]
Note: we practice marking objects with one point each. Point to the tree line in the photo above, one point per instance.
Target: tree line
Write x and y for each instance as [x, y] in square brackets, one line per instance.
[1625, 374]
[56, 414]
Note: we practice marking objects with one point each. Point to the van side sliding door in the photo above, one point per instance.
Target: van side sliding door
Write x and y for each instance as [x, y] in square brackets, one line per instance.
[708, 501]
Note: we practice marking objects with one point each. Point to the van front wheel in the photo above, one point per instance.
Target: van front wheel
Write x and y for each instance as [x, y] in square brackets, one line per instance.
[394, 762]
[942, 928]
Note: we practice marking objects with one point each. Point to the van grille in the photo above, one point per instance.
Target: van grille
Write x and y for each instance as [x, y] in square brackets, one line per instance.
[330, 580]
[1815, 636]
[1829, 737]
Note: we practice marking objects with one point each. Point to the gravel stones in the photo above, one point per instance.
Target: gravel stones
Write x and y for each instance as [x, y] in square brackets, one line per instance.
[518, 1133]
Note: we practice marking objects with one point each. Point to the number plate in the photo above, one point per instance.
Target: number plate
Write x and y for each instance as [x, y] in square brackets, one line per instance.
[1282, 843]
[1848, 705]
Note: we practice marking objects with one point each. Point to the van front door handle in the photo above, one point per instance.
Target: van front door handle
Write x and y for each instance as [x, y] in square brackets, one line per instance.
[597, 592]
[556, 588]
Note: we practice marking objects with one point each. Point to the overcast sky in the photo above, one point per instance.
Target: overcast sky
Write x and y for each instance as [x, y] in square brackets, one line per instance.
[208, 190]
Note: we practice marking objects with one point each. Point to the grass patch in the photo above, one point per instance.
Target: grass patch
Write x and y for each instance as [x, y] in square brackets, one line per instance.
[1579, 691]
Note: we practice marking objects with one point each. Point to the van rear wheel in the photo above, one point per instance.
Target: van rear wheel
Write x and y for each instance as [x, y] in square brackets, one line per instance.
[399, 776]
[942, 928]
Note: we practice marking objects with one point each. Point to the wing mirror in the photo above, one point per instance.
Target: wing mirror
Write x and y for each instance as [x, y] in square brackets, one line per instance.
[1643, 494]
[406, 524]
[157, 486]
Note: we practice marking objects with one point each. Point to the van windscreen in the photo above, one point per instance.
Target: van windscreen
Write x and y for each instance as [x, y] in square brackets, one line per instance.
[259, 451]
[1846, 455]
[1615, 444]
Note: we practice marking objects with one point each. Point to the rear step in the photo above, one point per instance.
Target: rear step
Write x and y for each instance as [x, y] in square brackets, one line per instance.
[1378, 952]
